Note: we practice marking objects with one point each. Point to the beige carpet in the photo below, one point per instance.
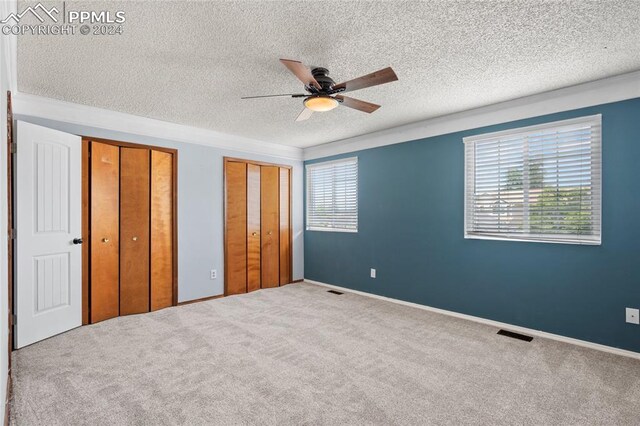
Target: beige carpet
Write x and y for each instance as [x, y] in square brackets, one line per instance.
[299, 355]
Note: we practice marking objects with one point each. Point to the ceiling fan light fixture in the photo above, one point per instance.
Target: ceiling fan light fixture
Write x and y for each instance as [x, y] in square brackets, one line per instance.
[321, 103]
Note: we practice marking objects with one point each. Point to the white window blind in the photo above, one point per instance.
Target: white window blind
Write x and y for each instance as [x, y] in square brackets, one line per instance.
[332, 195]
[539, 183]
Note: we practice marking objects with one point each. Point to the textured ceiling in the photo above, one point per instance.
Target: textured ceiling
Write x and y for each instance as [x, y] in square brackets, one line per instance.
[190, 62]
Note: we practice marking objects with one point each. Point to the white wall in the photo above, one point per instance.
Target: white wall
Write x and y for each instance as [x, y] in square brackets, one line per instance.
[200, 205]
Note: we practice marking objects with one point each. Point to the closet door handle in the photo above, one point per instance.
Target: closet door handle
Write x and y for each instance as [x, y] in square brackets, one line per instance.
[135, 238]
[269, 233]
[105, 240]
[254, 234]
[77, 241]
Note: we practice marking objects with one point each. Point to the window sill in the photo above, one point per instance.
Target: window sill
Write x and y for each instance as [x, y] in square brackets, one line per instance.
[532, 239]
[351, 231]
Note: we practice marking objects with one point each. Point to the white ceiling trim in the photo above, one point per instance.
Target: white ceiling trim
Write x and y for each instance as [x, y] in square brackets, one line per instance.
[613, 89]
[36, 106]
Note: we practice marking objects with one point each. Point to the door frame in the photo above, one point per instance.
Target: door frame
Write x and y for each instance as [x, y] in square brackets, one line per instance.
[10, 252]
[224, 213]
[86, 216]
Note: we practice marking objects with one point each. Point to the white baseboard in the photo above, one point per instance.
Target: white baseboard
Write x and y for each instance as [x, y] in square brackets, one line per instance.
[497, 324]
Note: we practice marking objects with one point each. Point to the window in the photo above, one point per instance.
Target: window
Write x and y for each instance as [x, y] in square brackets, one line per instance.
[332, 195]
[539, 183]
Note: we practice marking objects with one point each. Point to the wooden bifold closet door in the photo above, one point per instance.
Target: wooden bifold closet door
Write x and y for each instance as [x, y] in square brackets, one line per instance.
[132, 228]
[105, 231]
[134, 231]
[254, 266]
[257, 226]
[285, 226]
[236, 196]
[161, 230]
[270, 224]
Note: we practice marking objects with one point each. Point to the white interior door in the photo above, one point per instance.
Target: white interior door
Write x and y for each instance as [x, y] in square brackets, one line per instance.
[48, 219]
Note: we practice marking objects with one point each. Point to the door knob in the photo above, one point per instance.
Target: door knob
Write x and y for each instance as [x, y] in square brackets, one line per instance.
[269, 233]
[77, 241]
[254, 233]
[135, 238]
[105, 240]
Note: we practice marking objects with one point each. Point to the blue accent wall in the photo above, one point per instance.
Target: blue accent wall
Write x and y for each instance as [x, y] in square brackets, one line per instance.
[411, 229]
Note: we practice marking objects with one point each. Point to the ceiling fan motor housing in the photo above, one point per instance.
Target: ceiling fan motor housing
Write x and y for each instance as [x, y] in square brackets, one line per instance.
[322, 77]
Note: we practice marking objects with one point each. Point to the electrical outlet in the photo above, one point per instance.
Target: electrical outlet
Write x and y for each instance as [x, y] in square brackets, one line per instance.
[373, 273]
[633, 316]
[214, 274]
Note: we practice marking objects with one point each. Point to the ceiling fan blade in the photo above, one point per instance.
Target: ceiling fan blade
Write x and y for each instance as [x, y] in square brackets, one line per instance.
[382, 76]
[304, 115]
[363, 106]
[296, 95]
[302, 72]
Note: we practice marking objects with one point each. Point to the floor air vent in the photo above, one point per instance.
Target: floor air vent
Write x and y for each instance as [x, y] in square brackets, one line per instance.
[334, 292]
[515, 335]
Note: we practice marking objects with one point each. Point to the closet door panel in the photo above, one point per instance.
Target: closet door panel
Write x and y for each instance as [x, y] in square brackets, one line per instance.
[285, 228]
[253, 227]
[86, 219]
[161, 230]
[134, 231]
[270, 224]
[105, 211]
[236, 227]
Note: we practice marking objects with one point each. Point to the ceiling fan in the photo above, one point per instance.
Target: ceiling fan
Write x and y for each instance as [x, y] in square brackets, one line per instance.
[322, 92]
